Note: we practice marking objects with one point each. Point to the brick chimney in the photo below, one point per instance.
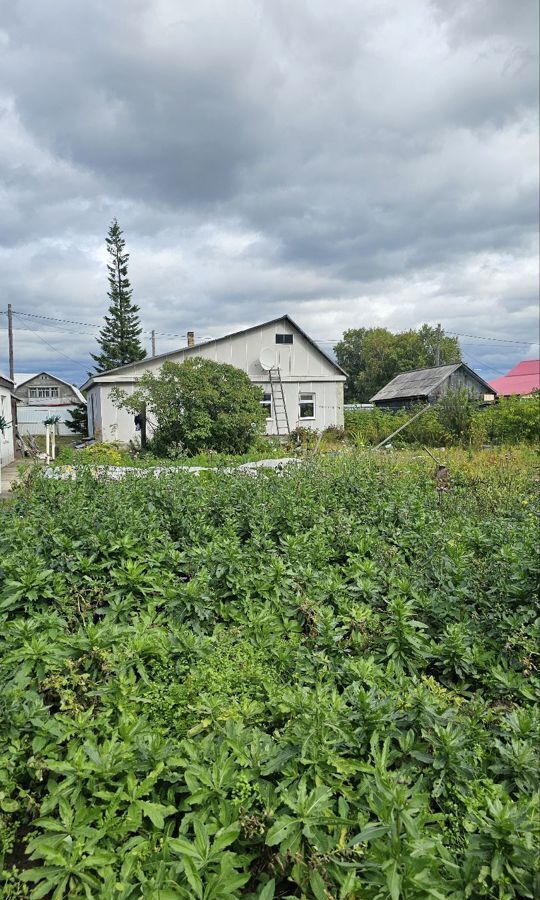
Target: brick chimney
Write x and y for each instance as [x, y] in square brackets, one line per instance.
[191, 338]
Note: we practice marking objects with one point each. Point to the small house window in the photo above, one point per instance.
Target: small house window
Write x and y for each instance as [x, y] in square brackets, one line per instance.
[284, 338]
[307, 406]
[43, 393]
[266, 404]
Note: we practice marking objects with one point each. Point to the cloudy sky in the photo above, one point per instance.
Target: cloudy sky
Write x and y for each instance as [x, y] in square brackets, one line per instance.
[352, 163]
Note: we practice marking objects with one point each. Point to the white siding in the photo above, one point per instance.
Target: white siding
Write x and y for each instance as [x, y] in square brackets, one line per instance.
[6, 439]
[303, 370]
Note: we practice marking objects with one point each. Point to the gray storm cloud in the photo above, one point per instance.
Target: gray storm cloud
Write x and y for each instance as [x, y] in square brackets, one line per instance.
[350, 163]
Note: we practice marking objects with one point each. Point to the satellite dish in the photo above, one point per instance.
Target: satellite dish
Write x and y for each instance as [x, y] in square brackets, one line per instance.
[267, 358]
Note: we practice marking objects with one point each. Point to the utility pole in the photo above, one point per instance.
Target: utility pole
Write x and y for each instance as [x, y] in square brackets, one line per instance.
[438, 345]
[10, 342]
[153, 342]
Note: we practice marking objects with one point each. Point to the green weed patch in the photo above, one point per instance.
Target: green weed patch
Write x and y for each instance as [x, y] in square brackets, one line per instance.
[321, 684]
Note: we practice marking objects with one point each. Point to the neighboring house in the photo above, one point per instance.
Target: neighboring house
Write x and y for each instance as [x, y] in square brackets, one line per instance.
[7, 415]
[296, 376]
[41, 396]
[523, 379]
[428, 385]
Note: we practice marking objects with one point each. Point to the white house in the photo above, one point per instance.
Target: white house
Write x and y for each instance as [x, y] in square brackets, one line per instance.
[301, 384]
[7, 418]
[42, 395]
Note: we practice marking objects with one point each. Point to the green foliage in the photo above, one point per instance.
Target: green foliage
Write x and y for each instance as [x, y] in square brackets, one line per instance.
[513, 419]
[373, 356]
[199, 405]
[78, 419]
[322, 684]
[98, 454]
[456, 420]
[119, 339]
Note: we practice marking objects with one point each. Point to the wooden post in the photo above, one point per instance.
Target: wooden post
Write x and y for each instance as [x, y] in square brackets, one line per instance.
[10, 342]
[390, 436]
[143, 427]
[153, 342]
[438, 346]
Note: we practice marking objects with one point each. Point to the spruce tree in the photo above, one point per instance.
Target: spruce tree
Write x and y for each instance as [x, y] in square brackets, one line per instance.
[120, 336]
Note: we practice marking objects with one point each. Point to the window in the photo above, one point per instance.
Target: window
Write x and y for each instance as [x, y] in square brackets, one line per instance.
[266, 403]
[43, 393]
[284, 338]
[307, 406]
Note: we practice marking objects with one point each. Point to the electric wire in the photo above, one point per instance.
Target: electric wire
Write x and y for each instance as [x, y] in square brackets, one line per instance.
[318, 340]
[52, 347]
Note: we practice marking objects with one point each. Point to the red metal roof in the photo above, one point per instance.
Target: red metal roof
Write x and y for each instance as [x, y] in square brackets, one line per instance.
[522, 379]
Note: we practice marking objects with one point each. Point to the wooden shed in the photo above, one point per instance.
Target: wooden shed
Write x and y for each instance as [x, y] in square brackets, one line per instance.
[428, 385]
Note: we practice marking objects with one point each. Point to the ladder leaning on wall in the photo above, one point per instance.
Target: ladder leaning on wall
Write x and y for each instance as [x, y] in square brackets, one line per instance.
[278, 402]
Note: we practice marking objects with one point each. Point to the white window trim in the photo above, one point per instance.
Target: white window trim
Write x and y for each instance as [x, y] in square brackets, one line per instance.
[268, 403]
[313, 401]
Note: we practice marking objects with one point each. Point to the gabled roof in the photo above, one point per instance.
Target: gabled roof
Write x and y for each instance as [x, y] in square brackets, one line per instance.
[422, 383]
[126, 369]
[524, 378]
[22, 377]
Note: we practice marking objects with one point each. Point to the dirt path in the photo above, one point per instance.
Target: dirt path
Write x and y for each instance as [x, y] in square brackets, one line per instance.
[10, 474]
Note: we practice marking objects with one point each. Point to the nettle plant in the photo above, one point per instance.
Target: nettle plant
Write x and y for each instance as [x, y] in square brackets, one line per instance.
[317, 685]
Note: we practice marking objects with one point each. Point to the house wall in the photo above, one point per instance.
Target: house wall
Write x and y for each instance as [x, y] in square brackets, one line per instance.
[6, 440]
[66, 395]
[303, 370]
[462, 379]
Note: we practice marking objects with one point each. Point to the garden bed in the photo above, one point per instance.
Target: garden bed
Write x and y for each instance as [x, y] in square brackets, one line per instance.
[321, 685]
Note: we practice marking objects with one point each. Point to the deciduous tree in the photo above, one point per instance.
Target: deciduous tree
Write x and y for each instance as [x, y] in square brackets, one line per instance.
[198, 405]
[373, 356]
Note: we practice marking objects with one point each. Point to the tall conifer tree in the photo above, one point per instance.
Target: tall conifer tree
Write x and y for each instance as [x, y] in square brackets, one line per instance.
[119, 338]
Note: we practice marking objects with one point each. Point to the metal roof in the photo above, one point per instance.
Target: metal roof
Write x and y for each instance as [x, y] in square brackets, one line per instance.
[522, 379]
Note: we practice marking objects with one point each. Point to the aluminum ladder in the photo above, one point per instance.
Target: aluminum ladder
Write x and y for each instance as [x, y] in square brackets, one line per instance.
[278, 402]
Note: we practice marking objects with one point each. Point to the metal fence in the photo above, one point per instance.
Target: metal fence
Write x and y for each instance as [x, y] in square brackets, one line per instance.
[30, 419]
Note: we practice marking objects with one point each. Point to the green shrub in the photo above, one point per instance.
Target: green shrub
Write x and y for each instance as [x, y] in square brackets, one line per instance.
[512, 420]
[456, 420]
[316, 684]
[198, 405]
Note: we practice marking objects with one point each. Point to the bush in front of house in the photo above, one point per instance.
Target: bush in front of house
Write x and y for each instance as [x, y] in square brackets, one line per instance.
[198, 405]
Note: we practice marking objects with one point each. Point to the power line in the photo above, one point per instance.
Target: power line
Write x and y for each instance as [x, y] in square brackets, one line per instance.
[498, 340]
[56, 350]
[52, 319]
[85, 324]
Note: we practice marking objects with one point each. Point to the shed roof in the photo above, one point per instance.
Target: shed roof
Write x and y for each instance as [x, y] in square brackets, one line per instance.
[419, 383]
[422, 383]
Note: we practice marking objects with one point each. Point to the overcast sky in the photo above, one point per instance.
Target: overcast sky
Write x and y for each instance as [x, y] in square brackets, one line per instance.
[352, 163]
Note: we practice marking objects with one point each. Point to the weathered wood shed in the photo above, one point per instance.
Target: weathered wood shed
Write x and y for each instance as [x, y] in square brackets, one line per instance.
[428, 385]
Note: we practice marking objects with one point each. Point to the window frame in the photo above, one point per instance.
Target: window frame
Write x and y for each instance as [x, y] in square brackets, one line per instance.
[267, 403]
[305, 402]
[284, 338]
